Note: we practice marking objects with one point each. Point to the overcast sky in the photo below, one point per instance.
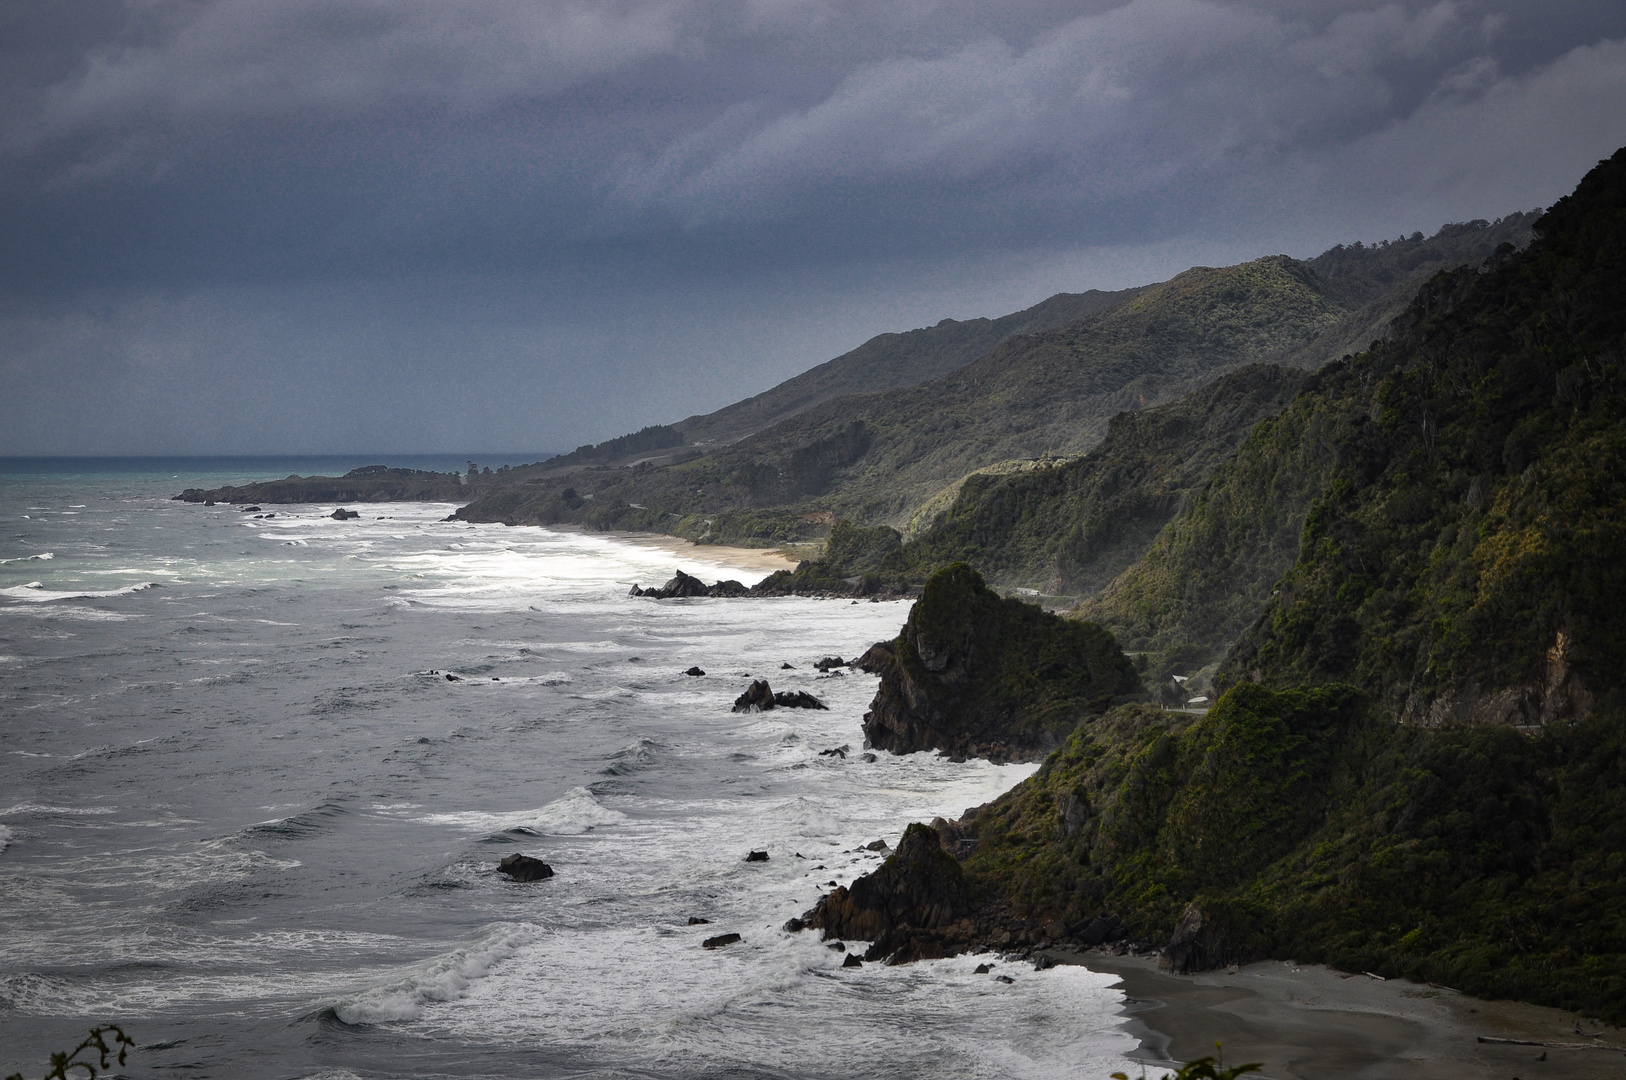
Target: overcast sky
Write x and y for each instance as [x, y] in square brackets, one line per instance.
[270, 226]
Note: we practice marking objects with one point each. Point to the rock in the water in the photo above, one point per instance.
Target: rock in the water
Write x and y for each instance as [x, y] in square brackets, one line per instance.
[797, 699]
[837, 946]
[695, 920]
[720, 940]
[341, 514]
[694, 671]
[758, 696]
[728, 588]
[787, 667]
[794, 925]
[836, 751]
[852, 961]
[757, 856]
[1043, 963]
[1004, 978]
[876, 845]
[871, 758]
[684, 585]
[829, 662]
[524, 868]
[452, 678]
[983, 969]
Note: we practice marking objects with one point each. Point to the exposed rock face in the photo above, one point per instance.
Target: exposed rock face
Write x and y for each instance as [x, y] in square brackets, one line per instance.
[1195, 946]
[974, 674]
[525, 868]
[720, 940]
[919, 888]
[875, 658]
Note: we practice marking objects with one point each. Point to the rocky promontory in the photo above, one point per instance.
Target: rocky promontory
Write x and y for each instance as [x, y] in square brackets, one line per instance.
[370, 483]
[974, 674]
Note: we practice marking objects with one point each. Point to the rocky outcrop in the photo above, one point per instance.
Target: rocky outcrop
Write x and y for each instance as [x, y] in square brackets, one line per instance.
[525, 868]
[341, 514]
[977, 675]
[875, 658]
[760, 697]
[371, 483]
[915, 906]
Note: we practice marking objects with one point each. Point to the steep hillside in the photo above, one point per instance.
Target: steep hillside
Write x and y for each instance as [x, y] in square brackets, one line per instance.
[1070, 528]
[1462, 561]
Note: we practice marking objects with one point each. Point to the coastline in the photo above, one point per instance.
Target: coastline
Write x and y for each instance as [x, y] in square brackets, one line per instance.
[1309, 1022]
[765, 559]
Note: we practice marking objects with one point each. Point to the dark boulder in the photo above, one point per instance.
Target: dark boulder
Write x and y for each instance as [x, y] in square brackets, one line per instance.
[837, 946]
[852, 961]
[983, 969]
[757, 856]
[794, 925]
[720, 940]
[876, 845]
[729, 588]
[836, 751]
[695, 920]
[757, 697]
[524, 868]
[341, 514]
[798, 699]
[452, 678]
[683, 585]
[829, 662]
[694, 671]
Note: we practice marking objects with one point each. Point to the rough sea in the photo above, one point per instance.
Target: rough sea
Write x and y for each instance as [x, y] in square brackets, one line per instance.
[244, 813]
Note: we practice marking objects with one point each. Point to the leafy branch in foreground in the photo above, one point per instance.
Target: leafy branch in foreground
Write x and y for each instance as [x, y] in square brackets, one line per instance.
[1204, 1068]
[67, 1066]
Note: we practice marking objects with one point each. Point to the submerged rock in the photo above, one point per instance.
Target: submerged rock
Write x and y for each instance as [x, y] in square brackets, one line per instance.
[525, 868]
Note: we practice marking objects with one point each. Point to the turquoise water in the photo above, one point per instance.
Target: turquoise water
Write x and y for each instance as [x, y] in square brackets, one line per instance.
[244, 813]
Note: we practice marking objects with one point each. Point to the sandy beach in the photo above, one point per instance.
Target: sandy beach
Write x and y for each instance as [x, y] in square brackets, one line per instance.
[1312, 1023]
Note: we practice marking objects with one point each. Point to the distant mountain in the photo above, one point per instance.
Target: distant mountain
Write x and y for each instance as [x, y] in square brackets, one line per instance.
[878, 457]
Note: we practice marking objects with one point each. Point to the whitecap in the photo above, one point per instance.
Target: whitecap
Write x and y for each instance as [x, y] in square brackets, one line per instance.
[573, 813]
[22, 809]
[444, 978]
[35, 592]
[30, 558]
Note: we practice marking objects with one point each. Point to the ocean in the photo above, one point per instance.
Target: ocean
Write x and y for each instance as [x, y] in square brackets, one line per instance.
[245, 814]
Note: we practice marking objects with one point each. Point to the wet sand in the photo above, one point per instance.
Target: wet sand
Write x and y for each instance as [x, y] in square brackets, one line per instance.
[1313, 1023]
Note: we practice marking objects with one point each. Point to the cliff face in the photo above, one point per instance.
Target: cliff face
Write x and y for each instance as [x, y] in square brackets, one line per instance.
[974, 674]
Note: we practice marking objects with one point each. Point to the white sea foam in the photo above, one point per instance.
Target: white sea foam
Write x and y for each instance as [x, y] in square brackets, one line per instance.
[35, 592]
[573, 813]
[29, 558]
[33, 809]
[445, 978]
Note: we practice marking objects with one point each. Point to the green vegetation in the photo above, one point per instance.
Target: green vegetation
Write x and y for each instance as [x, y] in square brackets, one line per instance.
[1070, 527]
[67, 1065]
[1204, 1068]
[1301, 824]
[976, 673]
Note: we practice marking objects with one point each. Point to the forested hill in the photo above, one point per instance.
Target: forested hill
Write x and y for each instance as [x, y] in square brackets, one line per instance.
[877, 458]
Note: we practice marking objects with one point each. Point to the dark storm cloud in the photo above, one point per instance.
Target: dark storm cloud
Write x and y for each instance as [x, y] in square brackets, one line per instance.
[176, 174]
